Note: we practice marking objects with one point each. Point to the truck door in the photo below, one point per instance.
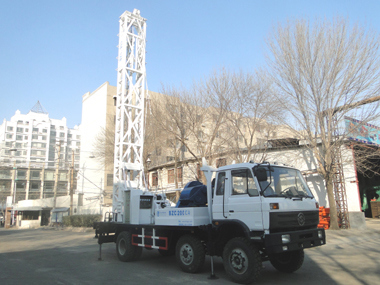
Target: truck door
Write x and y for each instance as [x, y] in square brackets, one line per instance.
[243, 201]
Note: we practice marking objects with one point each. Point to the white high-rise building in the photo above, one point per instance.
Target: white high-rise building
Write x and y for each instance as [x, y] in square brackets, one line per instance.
[30, 145]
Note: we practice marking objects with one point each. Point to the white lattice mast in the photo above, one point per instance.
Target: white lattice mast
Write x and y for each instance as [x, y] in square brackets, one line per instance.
[129, 126]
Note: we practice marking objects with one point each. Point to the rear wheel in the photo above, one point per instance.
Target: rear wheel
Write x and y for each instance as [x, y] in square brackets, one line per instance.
[190, 253]
[124, 248]
[287, 262]
[242, 261]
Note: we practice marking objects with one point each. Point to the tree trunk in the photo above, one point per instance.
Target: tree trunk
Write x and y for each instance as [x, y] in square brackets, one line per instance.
[334, 225]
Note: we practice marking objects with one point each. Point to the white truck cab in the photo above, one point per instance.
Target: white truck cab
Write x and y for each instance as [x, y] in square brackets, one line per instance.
[264, 197]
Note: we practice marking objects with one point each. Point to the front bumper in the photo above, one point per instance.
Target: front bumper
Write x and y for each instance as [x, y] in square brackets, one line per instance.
[294, 240]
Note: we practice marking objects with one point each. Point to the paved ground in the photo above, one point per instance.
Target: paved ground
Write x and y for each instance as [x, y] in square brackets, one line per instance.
[46, 256]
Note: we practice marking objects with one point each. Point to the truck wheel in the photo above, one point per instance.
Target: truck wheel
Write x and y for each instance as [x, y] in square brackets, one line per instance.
[124, 248]
[242, 260]
[287, 262]
[190, 253]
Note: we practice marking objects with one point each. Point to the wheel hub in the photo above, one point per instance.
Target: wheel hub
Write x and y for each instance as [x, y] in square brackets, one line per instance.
[186, 254]
[239, 261]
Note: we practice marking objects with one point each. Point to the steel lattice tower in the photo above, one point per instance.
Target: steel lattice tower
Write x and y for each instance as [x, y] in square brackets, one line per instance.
[129, 125]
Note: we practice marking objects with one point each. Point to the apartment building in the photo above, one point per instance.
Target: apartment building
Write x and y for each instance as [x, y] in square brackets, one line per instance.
[31, 146]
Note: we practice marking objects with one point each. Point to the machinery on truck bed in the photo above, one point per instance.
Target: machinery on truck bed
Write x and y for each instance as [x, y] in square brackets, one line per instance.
[249, 213]
[252, 213]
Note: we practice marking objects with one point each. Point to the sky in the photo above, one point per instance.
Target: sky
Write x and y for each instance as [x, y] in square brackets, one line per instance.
[56, 51]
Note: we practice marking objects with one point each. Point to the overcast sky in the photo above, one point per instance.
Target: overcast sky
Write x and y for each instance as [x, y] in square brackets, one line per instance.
[56, 51]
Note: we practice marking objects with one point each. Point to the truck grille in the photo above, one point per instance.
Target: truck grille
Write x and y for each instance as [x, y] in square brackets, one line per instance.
[293, 221]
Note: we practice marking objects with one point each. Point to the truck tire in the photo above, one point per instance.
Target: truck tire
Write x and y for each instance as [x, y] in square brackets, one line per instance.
[124, 248]
[190, 253]
[287, 262]
[242, 261]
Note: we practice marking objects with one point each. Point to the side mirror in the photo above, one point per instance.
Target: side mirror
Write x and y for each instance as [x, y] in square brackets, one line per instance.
[261, 174]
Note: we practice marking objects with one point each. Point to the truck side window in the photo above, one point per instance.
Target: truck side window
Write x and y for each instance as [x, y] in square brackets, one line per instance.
[243, 183]
[220, 184]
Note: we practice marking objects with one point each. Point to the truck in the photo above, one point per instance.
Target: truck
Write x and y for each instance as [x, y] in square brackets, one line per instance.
[247, 213]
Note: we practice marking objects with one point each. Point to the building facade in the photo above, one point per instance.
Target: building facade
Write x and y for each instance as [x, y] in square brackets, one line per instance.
[32, 148]
[95, 171]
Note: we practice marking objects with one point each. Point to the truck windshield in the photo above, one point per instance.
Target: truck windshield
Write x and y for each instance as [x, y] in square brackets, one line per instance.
[285, 182]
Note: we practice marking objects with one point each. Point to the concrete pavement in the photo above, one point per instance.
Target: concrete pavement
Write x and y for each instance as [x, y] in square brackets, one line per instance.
[69, 256]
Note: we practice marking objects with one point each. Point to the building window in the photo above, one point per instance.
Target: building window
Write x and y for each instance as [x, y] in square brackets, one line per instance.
[69, 136]
[18, 137]
[109, 179]
[171, 176]
[34, 186]
[35, 130]
[48, 186]
[25, 137]
[154, 179]
[35, 174]
[44, 130]
[78, 144]
[19, 130]
[9, 129]
[49, 175]
[35, 137]
[78, 137]
[61, 135]
[169, 158]
[30, 215]
[8, 144]
[9, 136]
[61, 128]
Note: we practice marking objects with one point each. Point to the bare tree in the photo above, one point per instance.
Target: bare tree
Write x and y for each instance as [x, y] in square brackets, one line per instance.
[317, 70]
[206, 113]
[104, 146]
[252, 115]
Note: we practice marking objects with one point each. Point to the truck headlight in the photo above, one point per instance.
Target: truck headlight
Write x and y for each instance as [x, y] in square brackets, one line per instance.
[320, 234]
[285, 238]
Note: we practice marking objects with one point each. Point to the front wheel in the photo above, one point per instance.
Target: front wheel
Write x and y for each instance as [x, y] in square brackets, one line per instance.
[190, 253]
[242, 261]
[124, 248]
[287, 262]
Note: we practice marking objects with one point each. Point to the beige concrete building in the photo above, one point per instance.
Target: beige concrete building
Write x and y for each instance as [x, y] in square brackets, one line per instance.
[98, 115]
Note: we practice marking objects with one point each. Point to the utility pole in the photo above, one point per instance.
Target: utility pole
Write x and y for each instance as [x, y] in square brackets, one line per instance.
[100, 196]
[72, 184]
[56, 175]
